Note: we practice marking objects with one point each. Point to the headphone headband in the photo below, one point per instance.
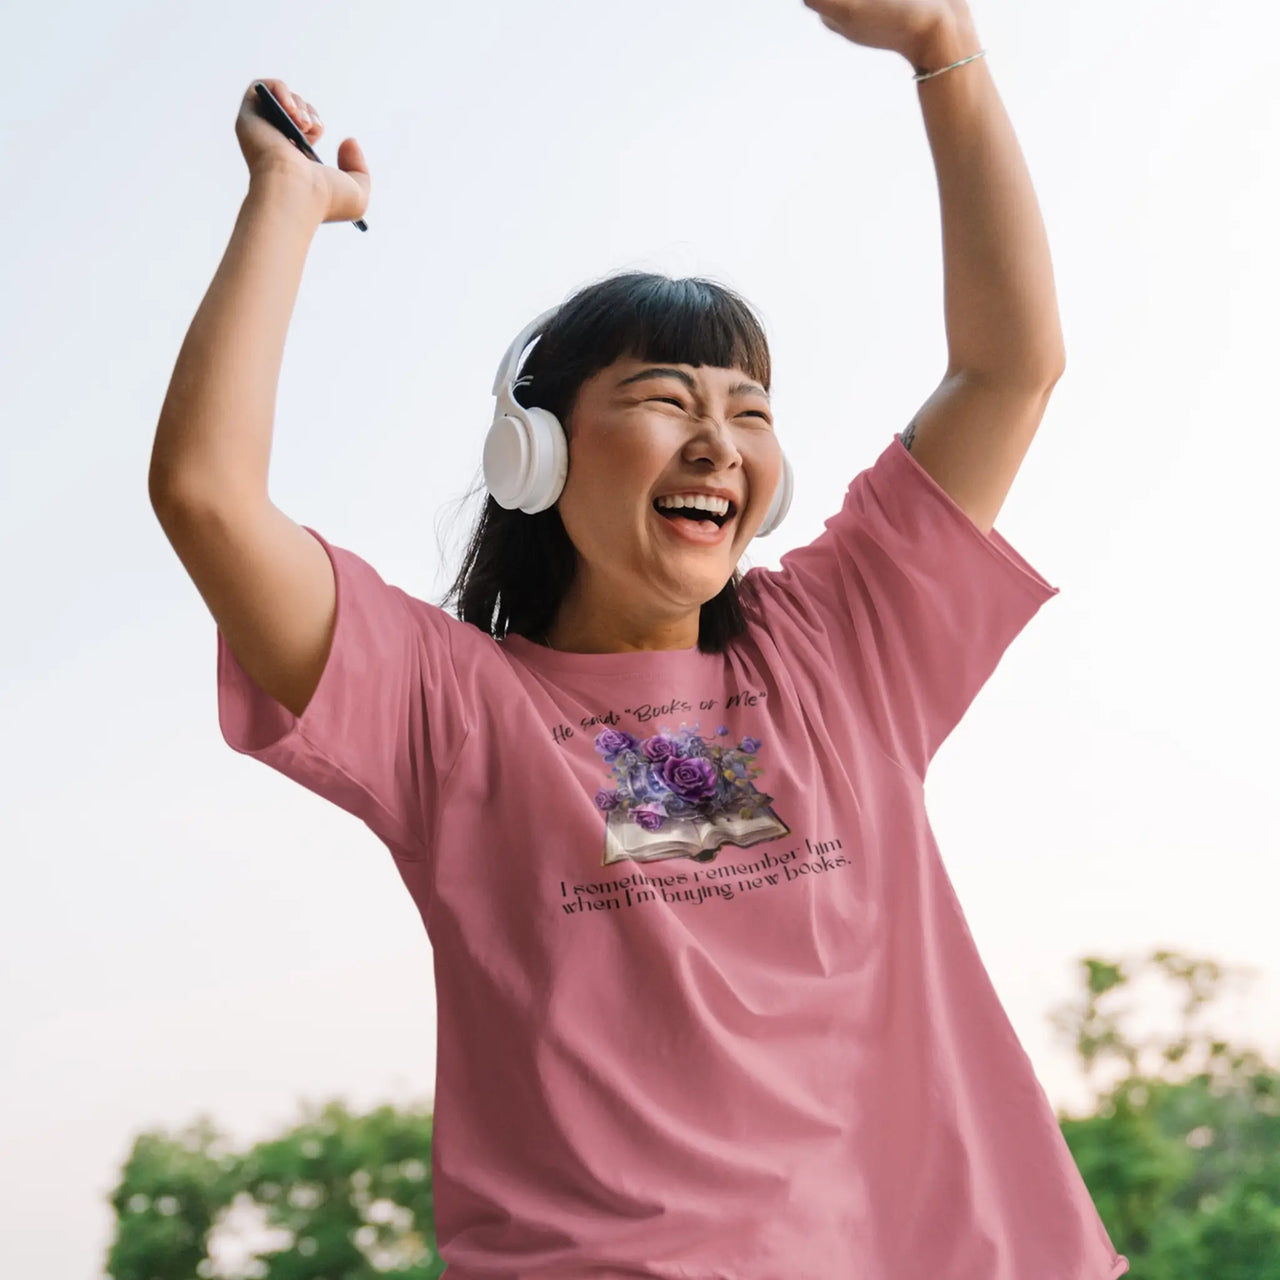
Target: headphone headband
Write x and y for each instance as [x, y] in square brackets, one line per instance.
[511, 361]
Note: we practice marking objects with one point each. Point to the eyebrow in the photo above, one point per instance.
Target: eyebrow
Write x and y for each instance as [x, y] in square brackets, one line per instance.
[679, 374]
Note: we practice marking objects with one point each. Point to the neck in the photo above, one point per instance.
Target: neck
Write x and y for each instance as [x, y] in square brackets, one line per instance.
[613, 635]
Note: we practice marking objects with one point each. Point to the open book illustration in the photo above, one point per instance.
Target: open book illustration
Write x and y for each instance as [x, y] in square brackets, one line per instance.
[698, 838]
[681, 795]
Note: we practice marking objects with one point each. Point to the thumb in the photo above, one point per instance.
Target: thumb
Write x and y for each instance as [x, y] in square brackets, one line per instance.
[351, 158]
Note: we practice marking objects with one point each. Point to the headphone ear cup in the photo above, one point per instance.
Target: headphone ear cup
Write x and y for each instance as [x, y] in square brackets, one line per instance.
[781, 503]
[526, 459]
[507, 450]
[550, 461]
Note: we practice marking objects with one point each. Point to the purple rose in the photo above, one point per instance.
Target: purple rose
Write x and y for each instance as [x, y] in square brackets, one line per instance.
[693, 777]
[609, 742]
[749, 745]
[649, 817]
[659, 747]
[606, 800]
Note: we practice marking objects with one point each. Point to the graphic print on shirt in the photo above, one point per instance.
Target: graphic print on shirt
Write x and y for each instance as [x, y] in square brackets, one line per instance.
[677, 795]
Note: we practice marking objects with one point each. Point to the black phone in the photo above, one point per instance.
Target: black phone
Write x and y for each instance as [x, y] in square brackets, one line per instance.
[269, 107]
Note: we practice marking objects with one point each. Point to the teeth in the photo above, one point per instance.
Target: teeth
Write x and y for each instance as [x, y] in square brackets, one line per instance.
[719, 506]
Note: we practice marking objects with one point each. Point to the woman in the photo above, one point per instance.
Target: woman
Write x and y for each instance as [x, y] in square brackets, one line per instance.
[707, 1004]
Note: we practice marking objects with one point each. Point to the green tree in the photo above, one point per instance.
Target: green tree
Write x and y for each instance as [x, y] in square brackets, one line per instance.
[340, 1196]
[1182, 1149]
[171, 1191]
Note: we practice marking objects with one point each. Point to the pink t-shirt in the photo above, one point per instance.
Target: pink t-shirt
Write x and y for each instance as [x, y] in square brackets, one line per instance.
[708, 1007]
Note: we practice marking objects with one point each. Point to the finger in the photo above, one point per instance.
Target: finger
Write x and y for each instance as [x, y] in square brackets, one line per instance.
[351, 158]
[298, 110]
[285, 97]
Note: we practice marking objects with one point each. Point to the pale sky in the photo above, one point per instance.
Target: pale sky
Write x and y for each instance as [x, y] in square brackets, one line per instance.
[187, 931]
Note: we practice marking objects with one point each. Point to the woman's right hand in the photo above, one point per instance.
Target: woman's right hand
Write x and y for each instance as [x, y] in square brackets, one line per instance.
[343, 192]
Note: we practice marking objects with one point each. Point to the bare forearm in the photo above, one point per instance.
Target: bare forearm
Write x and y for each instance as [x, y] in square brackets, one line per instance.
[213, 441]
[1001, 307]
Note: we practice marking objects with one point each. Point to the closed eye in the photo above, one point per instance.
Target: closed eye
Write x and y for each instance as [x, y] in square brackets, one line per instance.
[680, 405]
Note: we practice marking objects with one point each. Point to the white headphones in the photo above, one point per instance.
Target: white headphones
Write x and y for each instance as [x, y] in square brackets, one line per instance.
[526, 455]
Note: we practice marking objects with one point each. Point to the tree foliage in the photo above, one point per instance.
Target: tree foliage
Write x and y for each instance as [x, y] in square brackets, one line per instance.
[337, 1196]
[1182, 1150]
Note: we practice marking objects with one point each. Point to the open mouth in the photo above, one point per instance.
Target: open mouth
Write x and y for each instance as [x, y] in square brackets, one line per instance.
[696, 514]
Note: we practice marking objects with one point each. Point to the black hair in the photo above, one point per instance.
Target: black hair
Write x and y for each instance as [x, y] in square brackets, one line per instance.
[517, 567]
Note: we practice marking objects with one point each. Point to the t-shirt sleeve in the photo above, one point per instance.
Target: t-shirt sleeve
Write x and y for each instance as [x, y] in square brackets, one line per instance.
[383, 723]
[903, 600]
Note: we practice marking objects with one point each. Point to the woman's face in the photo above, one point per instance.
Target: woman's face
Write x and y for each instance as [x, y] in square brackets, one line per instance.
[639, 431]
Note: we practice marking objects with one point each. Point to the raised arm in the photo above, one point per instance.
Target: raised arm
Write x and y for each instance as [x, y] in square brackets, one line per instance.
[1004, 336]
[266, 580]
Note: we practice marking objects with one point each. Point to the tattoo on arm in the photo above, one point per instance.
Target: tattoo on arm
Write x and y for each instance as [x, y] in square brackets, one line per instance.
[909, 435]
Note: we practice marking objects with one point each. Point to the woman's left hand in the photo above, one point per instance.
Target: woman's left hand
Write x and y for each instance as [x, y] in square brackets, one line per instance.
[901, 25]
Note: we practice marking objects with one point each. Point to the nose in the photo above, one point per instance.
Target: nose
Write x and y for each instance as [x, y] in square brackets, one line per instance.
[714, 442]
